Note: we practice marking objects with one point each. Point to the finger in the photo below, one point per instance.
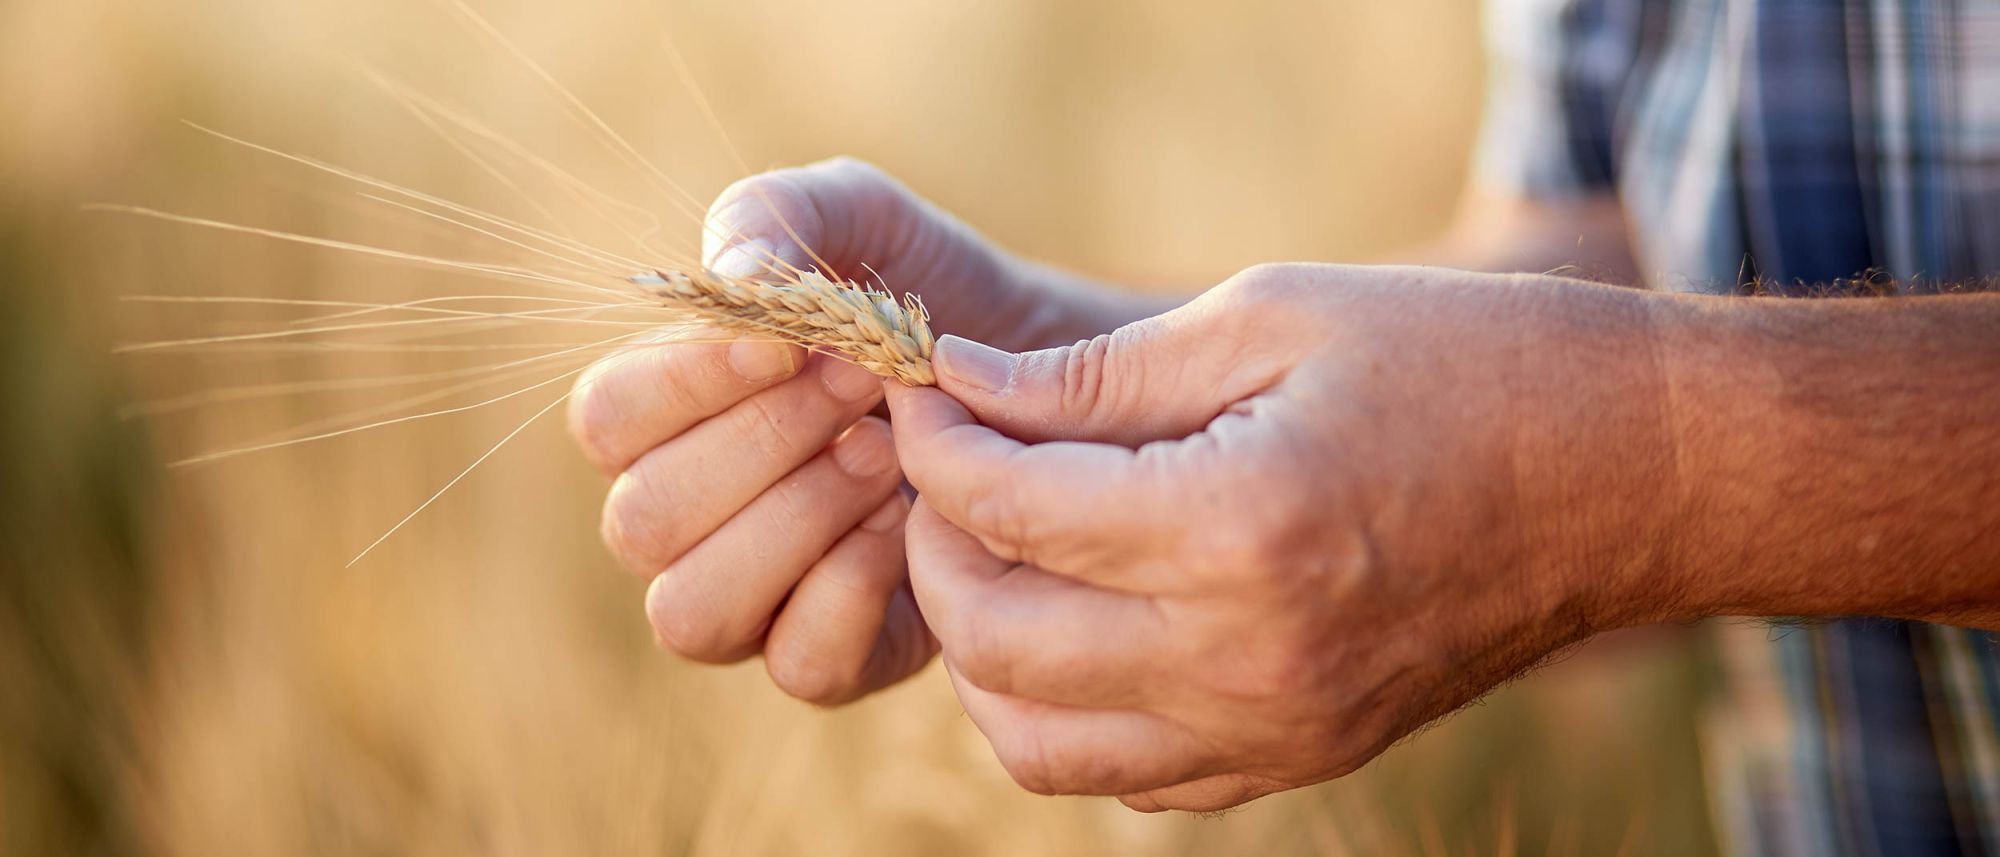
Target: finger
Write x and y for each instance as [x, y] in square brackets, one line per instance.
[856, 222]
[840, 213]
[850, 627]
[1020, 631]
[1209, 794]
[715, 602]
[1159, 378]
[635, 400]
[678, 493]
[1050, 749]
[1089, 510]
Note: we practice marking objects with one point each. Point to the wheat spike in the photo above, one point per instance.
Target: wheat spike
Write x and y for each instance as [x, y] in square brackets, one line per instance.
[868, 326]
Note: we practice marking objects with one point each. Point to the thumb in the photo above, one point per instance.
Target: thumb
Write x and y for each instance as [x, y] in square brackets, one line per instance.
[836, 215]
[764, 225]
[1160, 378]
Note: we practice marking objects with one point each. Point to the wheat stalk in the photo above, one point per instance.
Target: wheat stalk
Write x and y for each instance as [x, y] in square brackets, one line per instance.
[865, 325]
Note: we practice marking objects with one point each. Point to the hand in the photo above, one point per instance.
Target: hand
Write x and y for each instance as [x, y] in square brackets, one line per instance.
[751, 488]
[1248, 544]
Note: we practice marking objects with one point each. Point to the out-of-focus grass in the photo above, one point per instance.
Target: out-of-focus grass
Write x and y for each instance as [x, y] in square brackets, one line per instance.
[189, 669]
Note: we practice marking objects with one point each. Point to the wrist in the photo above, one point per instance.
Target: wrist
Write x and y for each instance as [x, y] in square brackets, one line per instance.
[1741, 553]
[1598, 466]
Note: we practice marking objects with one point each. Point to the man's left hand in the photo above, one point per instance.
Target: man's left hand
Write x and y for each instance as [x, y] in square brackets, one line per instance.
[1246, 545]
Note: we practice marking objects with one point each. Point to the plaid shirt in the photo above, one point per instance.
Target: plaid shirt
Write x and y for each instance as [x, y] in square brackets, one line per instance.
[1792, 143]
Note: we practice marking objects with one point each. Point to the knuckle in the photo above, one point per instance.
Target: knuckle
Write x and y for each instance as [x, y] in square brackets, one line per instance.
[993, 512]
[1024, 755]
[1042, 768]
[868, 580]
[1284, 669]
[1087, 773]
[1270, 668]
[1261, 517]
[1087, 386]
[1243, 548]
[980, 654]
[694, 372]
[766, 432]
[794, 504]
[1102, 379]
[643, 384]
[1271, 284]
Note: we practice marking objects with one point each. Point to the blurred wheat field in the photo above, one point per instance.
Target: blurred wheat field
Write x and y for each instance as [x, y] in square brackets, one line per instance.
[191, 669]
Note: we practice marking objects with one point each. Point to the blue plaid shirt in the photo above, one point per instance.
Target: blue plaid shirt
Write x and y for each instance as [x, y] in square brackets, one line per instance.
[1792, 144]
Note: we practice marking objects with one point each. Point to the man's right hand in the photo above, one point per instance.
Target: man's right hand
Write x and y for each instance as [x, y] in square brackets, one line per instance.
[750, 485]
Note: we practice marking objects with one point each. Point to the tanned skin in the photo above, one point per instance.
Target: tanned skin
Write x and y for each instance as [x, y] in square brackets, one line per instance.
[1219, 550]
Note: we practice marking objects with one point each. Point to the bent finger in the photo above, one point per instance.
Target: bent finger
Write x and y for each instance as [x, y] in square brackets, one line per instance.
[635, 400]
[1087, 510]
[850, 627]
[1209, 794]
[715, 602]
[821, 215]
[1051, 749]
[1017, 630]
[678, 493]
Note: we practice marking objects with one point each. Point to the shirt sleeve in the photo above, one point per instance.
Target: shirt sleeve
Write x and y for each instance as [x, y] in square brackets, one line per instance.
[1558, 71]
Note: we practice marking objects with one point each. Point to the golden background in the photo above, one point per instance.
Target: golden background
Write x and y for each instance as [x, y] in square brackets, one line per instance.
[187, 666]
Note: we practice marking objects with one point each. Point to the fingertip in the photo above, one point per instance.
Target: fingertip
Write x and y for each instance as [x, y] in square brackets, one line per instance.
[924, 410]
[894, 393]
[1143, 802]
[654, 603]
[888, 516]
[934, 545]
[921, 516]
[866, 450]
[923, 528]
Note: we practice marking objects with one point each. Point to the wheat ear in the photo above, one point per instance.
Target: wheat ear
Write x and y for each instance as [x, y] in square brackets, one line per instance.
[868, 326]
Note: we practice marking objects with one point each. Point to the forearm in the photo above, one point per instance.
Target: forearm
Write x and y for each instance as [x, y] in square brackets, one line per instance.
[1836, 457]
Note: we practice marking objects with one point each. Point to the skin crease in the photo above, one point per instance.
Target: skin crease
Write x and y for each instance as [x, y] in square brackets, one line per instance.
[1272, 556]
[713, 448]
[1244, 545]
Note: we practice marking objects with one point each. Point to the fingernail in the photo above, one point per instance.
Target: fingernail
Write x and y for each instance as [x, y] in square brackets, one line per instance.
[747, 258]
[886, 518]
[762, 361]
[849, 383]
[865, 452]
[974, 364]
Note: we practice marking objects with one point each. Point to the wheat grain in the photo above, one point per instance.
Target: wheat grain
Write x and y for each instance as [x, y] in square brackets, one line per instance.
[865, 325]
